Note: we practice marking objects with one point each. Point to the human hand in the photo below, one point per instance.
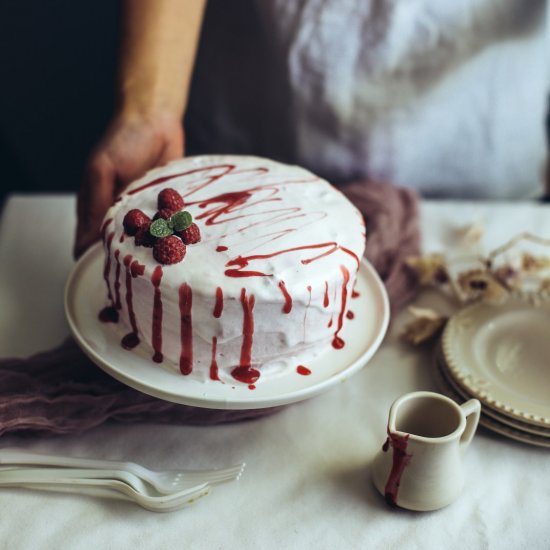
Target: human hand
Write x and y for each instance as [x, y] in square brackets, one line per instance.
[132, 145]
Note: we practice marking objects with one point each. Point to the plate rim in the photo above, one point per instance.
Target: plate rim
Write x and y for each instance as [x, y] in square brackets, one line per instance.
[490, 424]
[493, 414]
[251, 402]
[462, 377]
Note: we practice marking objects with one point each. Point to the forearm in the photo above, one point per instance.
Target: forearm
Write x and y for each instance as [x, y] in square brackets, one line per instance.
[159, 44]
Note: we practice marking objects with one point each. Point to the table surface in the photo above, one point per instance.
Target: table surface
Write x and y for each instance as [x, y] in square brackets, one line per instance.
[307, 482]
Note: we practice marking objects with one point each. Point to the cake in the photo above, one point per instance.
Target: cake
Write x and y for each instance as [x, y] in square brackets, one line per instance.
[263, 283]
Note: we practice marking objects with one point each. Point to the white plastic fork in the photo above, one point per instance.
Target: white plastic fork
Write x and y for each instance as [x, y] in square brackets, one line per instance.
[44, 475]
[109, 488]
[165, 482]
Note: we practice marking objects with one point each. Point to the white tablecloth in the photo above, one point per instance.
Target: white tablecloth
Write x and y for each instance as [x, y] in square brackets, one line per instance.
[307, 482]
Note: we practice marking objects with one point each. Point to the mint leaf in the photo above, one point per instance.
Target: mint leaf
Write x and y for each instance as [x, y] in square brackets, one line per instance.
[181, 220]
[159, 228]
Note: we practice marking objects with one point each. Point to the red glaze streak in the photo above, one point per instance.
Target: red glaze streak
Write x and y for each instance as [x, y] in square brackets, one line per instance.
[107, 268]
[350, 315]
[304, 371]
[186, 329]
[245, 372]
[137, 269]
[157, 316]
[400, 460]
[326, 300]
[214, 364]
[218, 308]
[103, 230]
[118, 304]
[221, 248]
[131, 340]
[355, 294]
[337, 342]
[243, 261]
[287, 308]
[108, 314]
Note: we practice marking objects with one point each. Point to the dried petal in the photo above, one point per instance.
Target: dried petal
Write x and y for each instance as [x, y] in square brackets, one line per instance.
[425, 326]
[508, 276]
[477, 284]
[430, 269]
[531, 263]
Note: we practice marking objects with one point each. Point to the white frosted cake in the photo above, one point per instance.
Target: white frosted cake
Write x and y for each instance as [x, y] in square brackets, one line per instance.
[260, 283]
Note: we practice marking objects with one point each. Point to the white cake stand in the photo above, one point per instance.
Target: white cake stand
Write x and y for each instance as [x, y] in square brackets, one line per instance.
[84, 297]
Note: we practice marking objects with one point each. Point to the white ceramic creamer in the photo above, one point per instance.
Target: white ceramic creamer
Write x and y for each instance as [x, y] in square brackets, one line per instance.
[420, 465]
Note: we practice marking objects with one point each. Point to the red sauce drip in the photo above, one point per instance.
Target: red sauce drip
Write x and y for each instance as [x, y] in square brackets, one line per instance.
[245, 372]
[337, 342]
[103, 230]
[221, 248]
[157, 315]
[243, 261]
[246, 375]
[326, 300]
[304, 371]
[108, 314]
[218, 308]
[226, 168]
[214, 364]
[107, 268]
[121, 240]
[131, 340]
[118, 303]
[350, 315]
[355, 294]
[287, 308]
[186, 329]
[137, 269]
[251, 387]
[400, 460]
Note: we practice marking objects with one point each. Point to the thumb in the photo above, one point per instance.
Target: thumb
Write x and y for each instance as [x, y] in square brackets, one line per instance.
[94, 199]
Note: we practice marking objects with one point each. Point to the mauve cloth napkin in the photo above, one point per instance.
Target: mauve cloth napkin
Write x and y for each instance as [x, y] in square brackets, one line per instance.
[61, 391]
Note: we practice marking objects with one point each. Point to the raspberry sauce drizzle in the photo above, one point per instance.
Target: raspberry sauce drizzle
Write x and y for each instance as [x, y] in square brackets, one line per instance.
[304, 371]
[218, 307]
[400, 460]
[287, 308]
[214, 364]
[131, 340]
[221, 248]
[326, 300]
[107, 268]
[350, 315]
[337, 342]
[244, 261]
[108, 314]
[186, 329]
[156, 278]
[245, 372]
[118, 303]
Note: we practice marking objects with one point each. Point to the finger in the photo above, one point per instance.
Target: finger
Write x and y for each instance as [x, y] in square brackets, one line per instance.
[173, 149]
[95, 197]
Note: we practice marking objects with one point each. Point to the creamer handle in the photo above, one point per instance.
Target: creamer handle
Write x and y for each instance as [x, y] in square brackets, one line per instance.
[472, 409]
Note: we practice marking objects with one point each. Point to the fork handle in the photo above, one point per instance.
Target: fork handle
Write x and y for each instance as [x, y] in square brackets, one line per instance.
[12, 456]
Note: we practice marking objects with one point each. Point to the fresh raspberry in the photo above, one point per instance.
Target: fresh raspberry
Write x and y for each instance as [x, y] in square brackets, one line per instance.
[164, 213]
[191, 235]
[133, 220]
[169, 250]
[170, 198]
[144, 238]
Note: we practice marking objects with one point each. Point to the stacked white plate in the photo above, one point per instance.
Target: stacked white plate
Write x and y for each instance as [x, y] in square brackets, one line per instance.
[501, 356]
